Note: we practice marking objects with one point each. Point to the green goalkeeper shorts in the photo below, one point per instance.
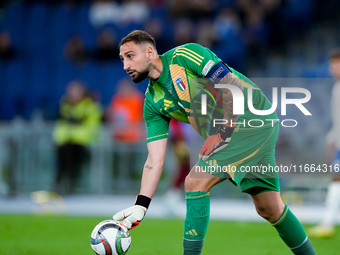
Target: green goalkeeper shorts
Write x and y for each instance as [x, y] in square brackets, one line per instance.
[248, 161]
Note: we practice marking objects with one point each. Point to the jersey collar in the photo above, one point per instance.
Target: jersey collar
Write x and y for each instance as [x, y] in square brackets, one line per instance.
[162, 78]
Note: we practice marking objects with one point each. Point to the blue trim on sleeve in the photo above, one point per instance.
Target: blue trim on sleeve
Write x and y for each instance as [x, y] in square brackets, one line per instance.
[217, 72]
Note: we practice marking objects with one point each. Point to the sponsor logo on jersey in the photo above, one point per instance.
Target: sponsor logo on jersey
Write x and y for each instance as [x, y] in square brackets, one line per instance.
[167, 104]
[181, 105]
[207, 67]
[180, 84]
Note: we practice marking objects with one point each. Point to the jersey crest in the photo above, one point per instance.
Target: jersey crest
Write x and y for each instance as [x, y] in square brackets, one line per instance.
[179, 79]
[180, 84]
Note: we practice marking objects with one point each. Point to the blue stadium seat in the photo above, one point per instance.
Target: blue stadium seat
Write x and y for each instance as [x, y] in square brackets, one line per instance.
[2, 25]
[168, 30]
[227, 3]
[14, 14]
[298, 14]
[232, 52]
[158, 12]
[320, 70]
[12, 84]
[62, 73]
[60, 30]
[2, 75]
[38, 78]
[7, 108]
[123, 31]
[36, 30]
[37, 85]
[109, 75]
[84, 27]
[88, 74]
[15, 76]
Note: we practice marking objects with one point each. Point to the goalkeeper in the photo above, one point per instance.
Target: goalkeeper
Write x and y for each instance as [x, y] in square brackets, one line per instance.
[178, 78]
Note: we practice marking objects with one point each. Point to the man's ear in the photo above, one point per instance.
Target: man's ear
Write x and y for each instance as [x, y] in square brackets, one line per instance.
[150, 52]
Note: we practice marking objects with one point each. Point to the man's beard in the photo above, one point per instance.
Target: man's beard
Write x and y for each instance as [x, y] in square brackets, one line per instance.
[140, 76]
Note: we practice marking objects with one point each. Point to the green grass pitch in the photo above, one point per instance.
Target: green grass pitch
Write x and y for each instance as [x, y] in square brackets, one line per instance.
[67, 235]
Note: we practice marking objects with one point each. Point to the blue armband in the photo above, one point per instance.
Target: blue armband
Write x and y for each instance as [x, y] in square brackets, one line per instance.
[217, 72]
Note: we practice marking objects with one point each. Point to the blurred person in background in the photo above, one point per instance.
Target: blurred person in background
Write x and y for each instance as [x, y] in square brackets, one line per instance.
[107, 48]
[227, 24]
[125, 115]
[332, 204]
[230, 46]
[192, 9]
[274, 19]
[75, 51]
[156, 28]
[104, 12]
[184, 31]
[206, 34]
[75, 130]
[6, 48]
[255, 36]
[134, 12]
[122, 13]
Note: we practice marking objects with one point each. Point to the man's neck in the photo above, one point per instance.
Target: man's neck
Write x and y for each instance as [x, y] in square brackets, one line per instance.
[156, 68]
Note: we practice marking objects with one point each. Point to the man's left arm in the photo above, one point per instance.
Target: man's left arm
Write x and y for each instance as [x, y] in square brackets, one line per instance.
[205, 64]
[215, 143]
[227, 97]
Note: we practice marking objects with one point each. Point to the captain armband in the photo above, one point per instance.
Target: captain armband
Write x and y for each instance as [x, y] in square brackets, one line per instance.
[217, 72]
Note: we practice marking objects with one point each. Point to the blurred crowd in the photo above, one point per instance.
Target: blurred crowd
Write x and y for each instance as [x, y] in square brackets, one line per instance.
[66, 40]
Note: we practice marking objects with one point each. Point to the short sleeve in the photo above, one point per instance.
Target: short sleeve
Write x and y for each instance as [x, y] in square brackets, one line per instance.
[196, 58]
[157, 125]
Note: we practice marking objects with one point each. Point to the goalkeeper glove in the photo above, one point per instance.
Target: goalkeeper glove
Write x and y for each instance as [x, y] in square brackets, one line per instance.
[133, 215]
[215, 143]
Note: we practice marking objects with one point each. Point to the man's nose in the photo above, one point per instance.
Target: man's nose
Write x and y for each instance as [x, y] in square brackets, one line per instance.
[126, 65]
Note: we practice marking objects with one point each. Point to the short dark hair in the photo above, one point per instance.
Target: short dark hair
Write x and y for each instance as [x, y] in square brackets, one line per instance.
[138, 37]
[334, 54]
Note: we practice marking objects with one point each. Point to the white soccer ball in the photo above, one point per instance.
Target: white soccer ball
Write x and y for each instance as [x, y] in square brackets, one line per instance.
[110, 237]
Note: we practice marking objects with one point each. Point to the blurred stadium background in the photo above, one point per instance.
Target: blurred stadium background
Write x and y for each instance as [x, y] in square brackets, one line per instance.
[44, 45]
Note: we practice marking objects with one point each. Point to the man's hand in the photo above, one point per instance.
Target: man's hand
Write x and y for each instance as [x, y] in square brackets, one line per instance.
[133, 215]
[213, 144]
[216, 143]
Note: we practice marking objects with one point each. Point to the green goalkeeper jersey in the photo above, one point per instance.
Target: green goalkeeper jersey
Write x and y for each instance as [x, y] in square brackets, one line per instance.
[176, 94]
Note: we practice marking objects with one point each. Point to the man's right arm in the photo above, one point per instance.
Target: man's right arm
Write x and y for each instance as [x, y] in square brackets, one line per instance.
[153, 167]
[157, 129]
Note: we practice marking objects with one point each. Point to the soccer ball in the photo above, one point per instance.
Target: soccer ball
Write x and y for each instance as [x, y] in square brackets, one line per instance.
[110, 237]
